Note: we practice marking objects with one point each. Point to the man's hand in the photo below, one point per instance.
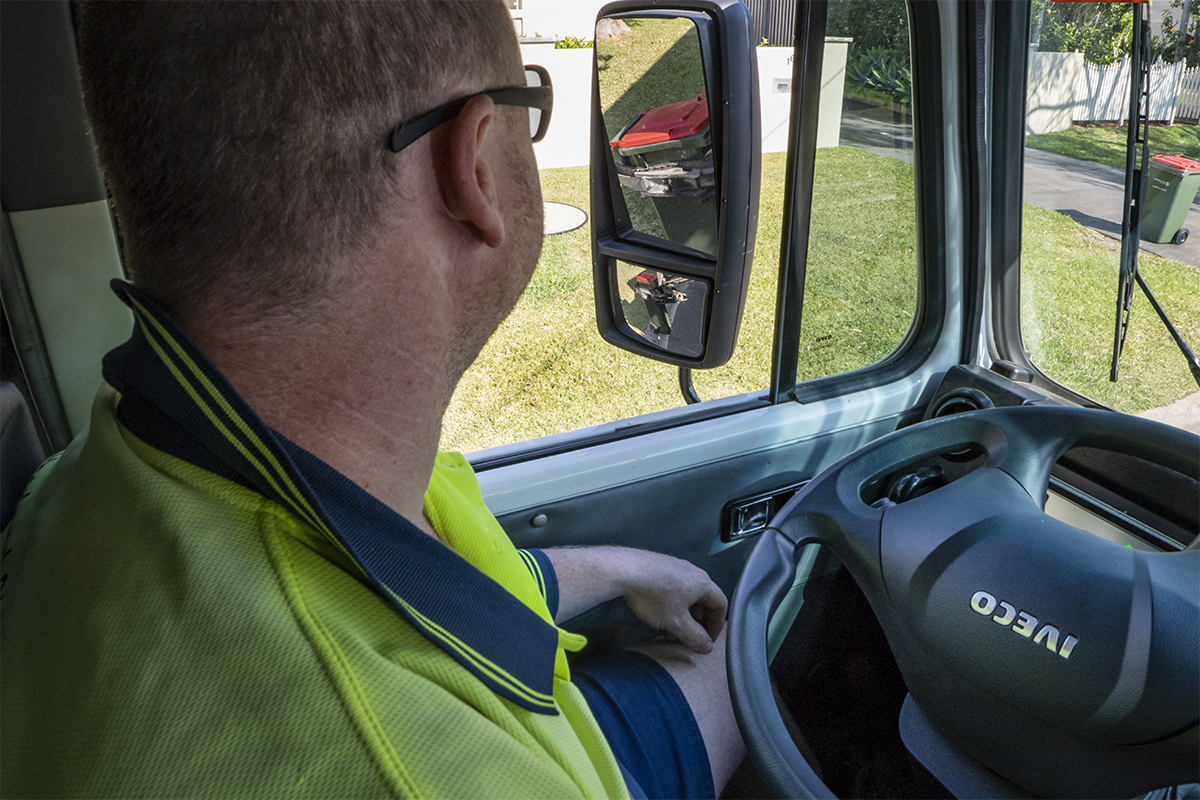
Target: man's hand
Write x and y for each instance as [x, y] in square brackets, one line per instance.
[676, 597]
[667, 593]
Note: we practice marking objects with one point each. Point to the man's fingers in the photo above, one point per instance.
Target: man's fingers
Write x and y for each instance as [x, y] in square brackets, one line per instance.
[707, 620]
[692, 635]
[716, 603]
[712, 618]
[679, 599]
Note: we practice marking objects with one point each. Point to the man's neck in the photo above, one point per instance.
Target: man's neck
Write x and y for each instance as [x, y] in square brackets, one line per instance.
[366, 399]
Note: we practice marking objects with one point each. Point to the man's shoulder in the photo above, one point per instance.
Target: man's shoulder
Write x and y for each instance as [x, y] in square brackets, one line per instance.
[108, 500]
[147, 645]
[167, 632]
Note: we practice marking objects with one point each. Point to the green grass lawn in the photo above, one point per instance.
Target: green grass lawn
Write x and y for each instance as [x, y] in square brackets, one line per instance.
[1070, 283]
[1105, 144]
[546, 369]
[1068, 305]
[861, 281]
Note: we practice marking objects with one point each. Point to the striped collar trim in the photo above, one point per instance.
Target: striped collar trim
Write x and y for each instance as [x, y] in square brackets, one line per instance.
[472, 618]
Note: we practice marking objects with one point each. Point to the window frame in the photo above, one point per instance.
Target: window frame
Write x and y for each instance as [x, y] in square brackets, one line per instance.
[933, 224]
[938, 223]
[1005, 339]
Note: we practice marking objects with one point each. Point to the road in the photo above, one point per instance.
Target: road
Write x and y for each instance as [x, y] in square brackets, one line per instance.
[1093, 195]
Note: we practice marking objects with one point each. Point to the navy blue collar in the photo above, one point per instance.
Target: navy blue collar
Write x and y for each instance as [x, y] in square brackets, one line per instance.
[174, 398]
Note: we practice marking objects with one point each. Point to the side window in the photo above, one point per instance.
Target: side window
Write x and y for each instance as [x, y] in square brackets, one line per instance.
[860, 290]
[1075, 158]
[546, 370]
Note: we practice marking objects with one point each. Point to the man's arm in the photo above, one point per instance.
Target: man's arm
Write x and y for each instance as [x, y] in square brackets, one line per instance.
[666, 593]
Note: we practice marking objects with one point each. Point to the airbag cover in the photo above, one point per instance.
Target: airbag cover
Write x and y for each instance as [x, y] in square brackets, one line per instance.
[1071, 633]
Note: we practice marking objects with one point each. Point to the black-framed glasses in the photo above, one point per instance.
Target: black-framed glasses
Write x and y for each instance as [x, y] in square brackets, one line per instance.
[537, 95]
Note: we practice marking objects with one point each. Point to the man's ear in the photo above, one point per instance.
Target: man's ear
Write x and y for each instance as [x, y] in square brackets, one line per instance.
[463, 153]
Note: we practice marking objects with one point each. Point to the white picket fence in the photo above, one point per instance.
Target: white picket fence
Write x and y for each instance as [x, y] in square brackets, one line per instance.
[1188, 107]
[1102, 93]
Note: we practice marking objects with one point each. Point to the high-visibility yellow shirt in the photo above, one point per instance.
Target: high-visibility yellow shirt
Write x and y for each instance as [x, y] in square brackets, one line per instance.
[168, 632]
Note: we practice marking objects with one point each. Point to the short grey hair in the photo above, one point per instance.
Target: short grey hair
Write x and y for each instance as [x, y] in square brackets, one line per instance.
[245, 142]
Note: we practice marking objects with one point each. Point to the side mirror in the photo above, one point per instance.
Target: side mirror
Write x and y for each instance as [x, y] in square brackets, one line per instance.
[675, 160]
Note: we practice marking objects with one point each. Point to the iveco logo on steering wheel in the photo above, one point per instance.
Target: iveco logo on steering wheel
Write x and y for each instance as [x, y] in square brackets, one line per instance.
[1022, 622]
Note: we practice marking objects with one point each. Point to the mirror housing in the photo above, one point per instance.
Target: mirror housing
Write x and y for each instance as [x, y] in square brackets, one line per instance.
[674, 184]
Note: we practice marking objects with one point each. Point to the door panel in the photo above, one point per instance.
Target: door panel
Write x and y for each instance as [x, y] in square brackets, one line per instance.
[665, 491]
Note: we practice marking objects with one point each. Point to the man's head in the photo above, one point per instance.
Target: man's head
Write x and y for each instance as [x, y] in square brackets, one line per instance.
[246, 143]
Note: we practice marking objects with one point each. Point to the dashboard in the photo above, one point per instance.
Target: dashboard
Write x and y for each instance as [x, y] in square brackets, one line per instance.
[1117, 497]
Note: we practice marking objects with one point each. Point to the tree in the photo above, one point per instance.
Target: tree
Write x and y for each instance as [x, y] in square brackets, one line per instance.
[872, 24]
[879, 54]
[1101, 31]
[1180, 41]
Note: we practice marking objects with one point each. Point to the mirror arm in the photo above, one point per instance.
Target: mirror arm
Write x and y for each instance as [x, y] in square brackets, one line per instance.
[686, 387]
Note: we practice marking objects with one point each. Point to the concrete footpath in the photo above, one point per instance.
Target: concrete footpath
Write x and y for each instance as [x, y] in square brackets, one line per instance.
[1093, 195]
[1183, 413]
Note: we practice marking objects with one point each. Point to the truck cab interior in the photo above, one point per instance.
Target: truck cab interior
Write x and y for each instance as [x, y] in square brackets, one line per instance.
[950, 574]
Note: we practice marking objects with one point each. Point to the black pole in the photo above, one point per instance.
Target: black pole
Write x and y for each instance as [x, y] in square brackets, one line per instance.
[1135, 195]
[1135, 190]
[808, 44]
[1193, 361]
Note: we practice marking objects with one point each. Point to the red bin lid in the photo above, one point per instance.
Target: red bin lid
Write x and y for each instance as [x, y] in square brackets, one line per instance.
[665, 123]
[1181, 163]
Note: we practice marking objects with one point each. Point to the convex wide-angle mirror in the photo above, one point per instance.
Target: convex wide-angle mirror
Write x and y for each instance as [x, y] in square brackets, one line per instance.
[675, 160]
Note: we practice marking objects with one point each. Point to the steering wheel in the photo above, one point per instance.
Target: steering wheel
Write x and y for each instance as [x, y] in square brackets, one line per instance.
[1038, 658]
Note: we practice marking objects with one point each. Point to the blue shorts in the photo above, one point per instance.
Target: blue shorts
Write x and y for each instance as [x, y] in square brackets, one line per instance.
[648, 725]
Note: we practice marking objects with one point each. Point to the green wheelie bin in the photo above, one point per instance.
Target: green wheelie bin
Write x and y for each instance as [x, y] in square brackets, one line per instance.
[1172, 188]
[665, 155]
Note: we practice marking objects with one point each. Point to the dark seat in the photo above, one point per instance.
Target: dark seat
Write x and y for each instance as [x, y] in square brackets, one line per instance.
[20, 452]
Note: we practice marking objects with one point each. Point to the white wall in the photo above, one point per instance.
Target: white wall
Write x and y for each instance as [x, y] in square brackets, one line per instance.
[557, 19]
[833, 84]
[566, 142]
[1050, 95]
[775, 96]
